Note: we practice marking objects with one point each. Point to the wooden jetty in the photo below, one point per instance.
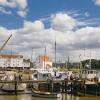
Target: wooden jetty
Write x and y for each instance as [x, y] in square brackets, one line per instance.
[66, 86]
[63, 86]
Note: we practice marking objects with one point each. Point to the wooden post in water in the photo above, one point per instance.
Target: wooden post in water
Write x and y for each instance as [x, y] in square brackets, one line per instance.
[66, 81]
[16, 87]
[96, 89]
[84, 88]
[62, 87]
[71, 88]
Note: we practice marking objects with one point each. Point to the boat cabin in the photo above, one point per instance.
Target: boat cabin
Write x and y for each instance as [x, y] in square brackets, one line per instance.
[88, 74]
[43, 75]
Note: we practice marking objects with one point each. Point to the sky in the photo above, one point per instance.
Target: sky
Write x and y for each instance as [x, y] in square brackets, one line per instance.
[36, 24]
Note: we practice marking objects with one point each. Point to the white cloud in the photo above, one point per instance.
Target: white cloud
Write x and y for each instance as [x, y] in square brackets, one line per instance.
[6, 3]
[63, 22]
[69, 42]
[97, 2]
[87, 14]
[22, 13]
[21, 5]
[5, 11]
[36, 25]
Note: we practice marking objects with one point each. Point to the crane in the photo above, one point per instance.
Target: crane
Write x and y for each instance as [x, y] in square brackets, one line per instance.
[1, 48]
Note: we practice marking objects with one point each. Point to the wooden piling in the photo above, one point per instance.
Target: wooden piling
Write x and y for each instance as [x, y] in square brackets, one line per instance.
[66, 82]
[15, 87]
[84, 88]
[71, 88]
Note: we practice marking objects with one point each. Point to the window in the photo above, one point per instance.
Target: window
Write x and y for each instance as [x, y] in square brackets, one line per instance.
[91, 72]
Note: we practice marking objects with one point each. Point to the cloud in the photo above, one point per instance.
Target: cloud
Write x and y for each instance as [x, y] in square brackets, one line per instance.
[63, 22]
[70, 42]
[5, 11]
[86, 14]
[21, 5]
[22, 13]
[36, 25]
[97, 2]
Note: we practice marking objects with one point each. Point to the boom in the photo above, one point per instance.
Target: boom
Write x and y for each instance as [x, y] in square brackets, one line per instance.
[5, 43]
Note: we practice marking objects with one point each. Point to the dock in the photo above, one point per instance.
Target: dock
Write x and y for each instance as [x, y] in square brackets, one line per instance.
[63, 84]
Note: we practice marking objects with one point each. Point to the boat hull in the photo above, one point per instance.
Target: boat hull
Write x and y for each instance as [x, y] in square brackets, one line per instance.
[11, 88]
[42, 94]
[90, 89]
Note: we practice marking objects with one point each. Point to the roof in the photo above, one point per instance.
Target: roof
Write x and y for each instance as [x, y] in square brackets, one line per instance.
[45, 58]
[10, 56]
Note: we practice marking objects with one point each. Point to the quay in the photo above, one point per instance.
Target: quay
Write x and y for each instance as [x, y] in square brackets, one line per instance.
[63, 84]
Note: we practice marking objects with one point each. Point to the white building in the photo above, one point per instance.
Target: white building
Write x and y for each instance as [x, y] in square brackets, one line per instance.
[44, 62]
[13, 61]
[26, 63]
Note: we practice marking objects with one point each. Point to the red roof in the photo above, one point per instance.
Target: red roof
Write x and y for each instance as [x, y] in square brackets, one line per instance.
[45, 58]
[10, 56]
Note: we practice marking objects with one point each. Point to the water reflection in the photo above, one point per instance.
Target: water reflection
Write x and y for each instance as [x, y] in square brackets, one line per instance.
[62, 97]
[13, 97]
[68, 97]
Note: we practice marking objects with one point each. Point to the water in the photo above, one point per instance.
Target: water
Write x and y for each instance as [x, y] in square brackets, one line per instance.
[63, 97]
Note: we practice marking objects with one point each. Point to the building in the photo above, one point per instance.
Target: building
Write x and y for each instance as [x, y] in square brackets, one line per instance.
[26, 63]
[44, 62]
[12, 61]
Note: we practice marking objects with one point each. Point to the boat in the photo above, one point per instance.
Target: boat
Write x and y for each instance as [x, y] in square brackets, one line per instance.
[43, 94]
[90, 85]
[11, 87]
[46, 75]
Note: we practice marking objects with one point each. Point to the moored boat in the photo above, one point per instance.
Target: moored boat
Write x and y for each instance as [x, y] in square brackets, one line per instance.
[43, 94]
[90, 85]
[11, 87]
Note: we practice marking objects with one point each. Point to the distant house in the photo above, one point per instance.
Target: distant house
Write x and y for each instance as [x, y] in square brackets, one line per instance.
[12, 61]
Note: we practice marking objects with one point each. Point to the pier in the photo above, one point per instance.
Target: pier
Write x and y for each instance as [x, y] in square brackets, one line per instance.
[63, 84]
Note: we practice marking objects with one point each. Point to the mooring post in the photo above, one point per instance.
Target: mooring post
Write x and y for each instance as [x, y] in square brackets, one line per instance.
[66, 81]
[84, 88]
[71, 87]
[16, 87]
[62, 86]
[75, 87]
[96, 85]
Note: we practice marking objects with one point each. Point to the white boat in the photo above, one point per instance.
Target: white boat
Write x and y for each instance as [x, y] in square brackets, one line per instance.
[10, 87]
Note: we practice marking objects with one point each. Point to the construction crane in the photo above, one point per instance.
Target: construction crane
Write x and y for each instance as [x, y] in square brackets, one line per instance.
[1, 48]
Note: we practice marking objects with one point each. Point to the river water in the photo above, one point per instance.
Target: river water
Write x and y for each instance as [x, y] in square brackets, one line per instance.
[63, 97]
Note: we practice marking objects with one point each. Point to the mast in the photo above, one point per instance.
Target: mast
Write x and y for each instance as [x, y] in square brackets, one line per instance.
[45, 58]
[68, 63]
[90, 60]
[55, 52]
[31, 58]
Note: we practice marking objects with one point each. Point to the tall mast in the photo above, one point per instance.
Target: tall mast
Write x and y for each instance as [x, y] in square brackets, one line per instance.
[55, 52]
[90, 60]
[45, 58]
[68, 63]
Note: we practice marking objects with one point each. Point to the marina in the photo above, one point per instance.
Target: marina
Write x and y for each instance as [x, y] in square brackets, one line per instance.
[49, 50]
